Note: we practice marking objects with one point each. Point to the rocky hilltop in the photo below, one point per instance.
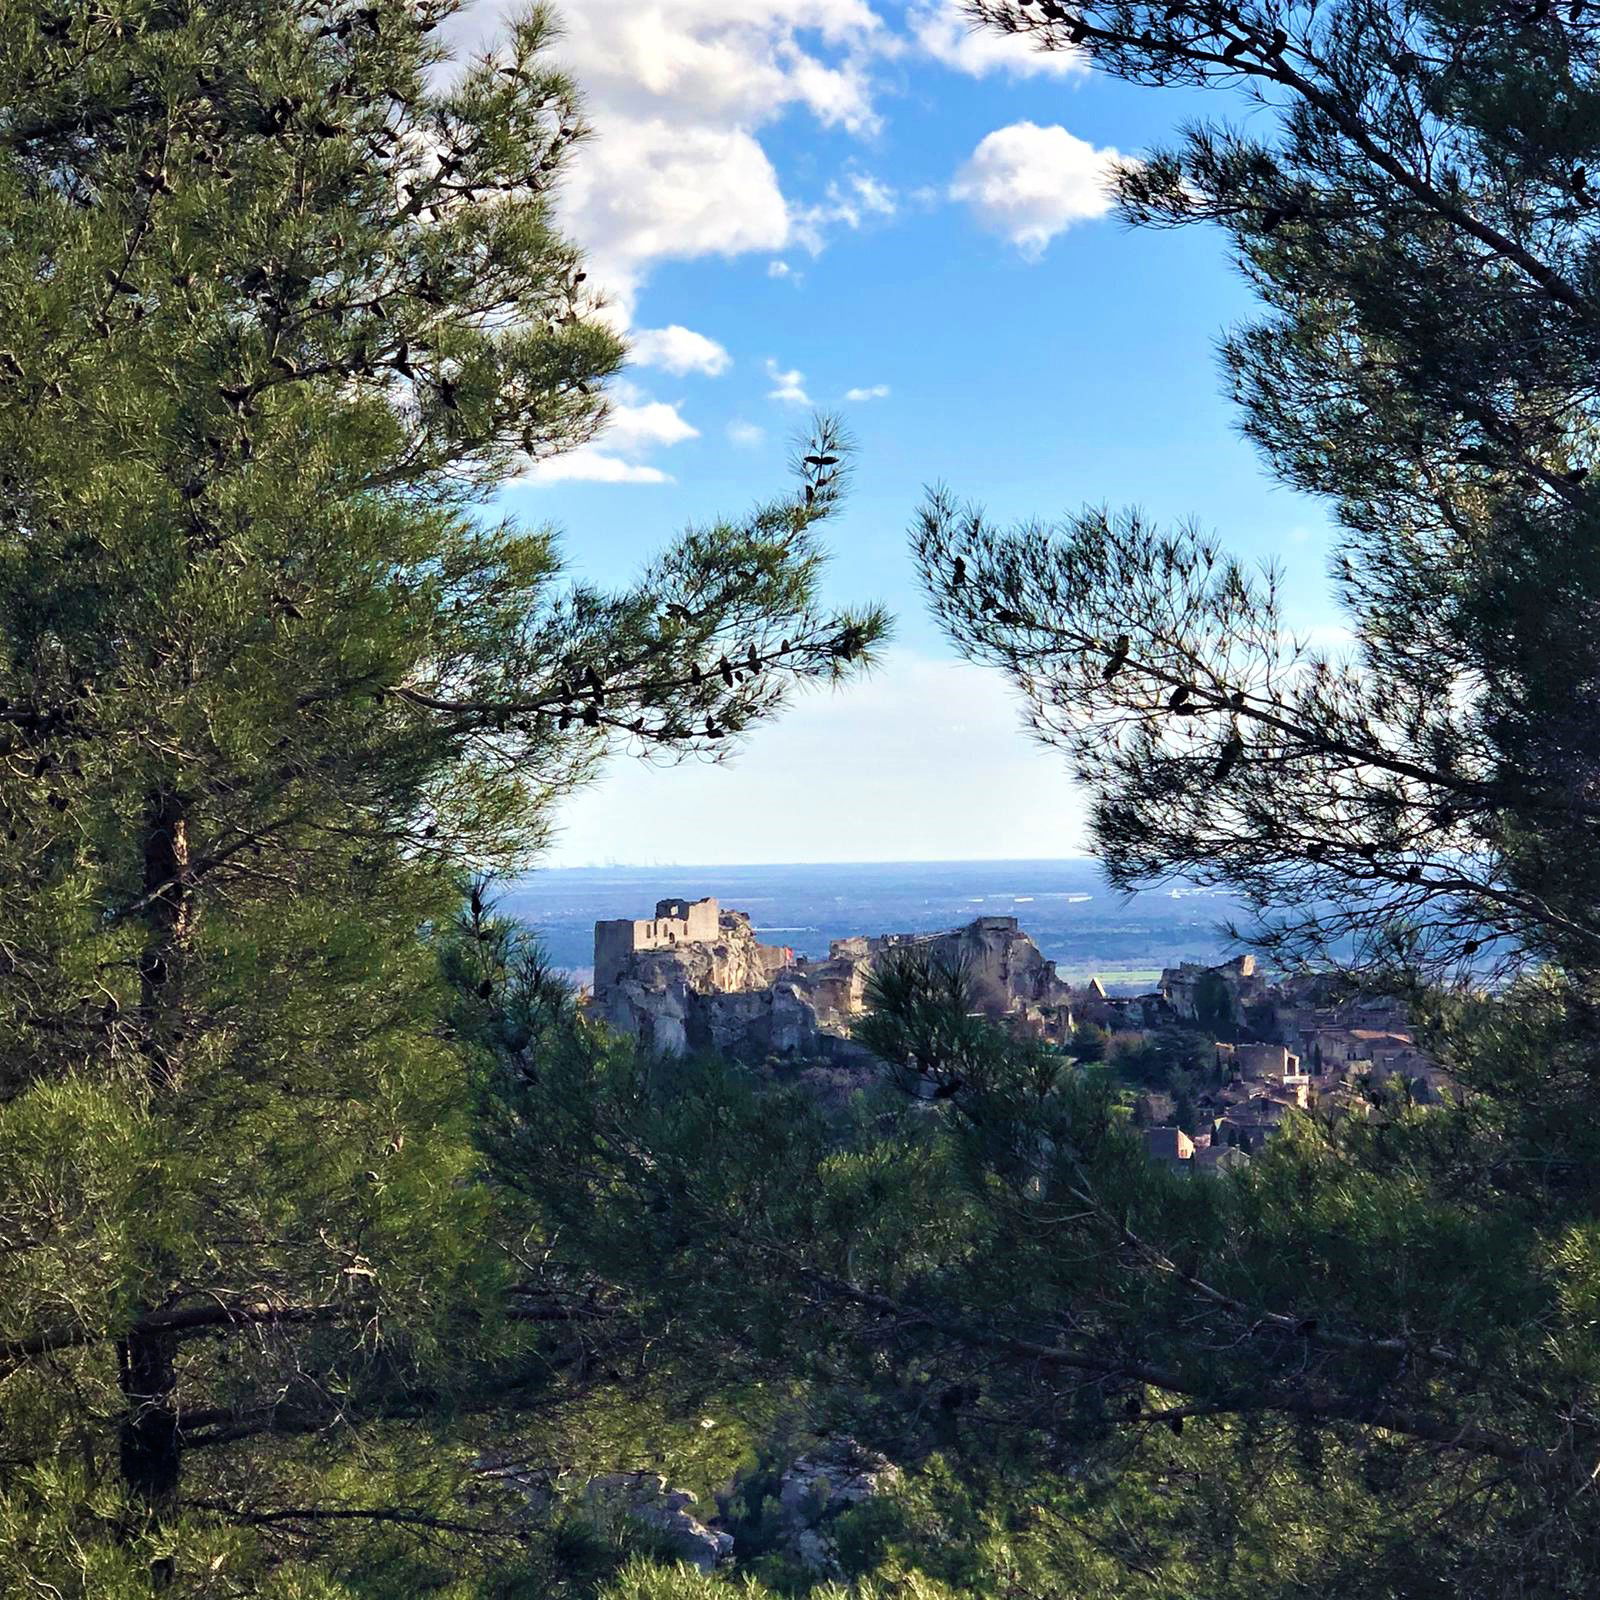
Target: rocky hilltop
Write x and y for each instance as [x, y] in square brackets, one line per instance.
[695, 976]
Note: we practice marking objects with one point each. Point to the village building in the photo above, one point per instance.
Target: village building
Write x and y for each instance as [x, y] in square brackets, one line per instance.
[1171, 1146]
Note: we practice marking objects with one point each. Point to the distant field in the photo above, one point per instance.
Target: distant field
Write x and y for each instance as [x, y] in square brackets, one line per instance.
[1114, 977]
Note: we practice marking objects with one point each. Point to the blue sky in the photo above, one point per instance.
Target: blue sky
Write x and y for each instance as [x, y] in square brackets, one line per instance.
[853, 205]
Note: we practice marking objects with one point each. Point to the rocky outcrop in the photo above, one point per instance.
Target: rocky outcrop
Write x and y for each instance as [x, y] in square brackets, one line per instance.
[812, 1494]
[700, 998]
[818, 1488]
[1007, 970]
[684, 989]
[647, 1501]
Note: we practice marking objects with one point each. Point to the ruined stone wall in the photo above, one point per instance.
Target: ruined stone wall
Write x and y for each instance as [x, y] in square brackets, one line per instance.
[736, 995]
[837, 987]
[675, 923]
[614, 945]
[718, 990]
[691, 921]
[1266, 1061]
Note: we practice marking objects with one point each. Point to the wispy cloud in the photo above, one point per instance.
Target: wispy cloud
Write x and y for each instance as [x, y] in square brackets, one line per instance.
[847, 202]
[746, 435]
[789, 387]
[646, 423]
[878, 391]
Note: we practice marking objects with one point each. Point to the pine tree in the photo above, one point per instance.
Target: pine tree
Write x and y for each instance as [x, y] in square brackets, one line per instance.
[1413, 209]
[1420, 228]
[281, 302]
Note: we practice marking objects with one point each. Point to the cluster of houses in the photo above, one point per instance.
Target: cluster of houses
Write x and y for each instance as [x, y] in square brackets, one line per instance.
[1312, 1047]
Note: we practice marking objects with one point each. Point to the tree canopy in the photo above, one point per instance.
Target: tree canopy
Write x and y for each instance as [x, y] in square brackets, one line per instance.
[332, 1230]
[282, 302]
[1412, 208]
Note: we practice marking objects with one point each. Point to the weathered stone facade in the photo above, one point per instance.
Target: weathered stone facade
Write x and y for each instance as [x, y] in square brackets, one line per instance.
[696, 977]
[1239, 979]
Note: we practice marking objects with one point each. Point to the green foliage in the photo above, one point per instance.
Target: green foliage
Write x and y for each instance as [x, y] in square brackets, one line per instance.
[282, 300]
[1365, 1364]
[1213, 1007]
[1089, 1042]
[1138, 1382]
[1413, 209]
[641, 1581]
[1152, 1062]
[1416, 220]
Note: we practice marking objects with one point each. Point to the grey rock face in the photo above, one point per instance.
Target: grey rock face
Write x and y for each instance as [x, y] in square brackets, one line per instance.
[646, 1500]
[754, 1002]
[820, 1486]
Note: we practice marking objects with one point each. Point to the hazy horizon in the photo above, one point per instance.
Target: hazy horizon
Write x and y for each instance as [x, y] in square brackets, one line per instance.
[1064, 905]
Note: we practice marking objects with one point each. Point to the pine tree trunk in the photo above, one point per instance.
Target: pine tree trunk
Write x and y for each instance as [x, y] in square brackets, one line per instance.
[150, 1447]
[150, 1452]
[168, 920]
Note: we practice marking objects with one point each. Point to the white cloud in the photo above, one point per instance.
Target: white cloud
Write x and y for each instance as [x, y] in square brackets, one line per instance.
[878, 391]
[637, 426]
[633, 428]
[848, 203]
[943, 32]
[1028, 183]
[779, 269]
[679, 350]
[677, 92]
[790, 386]
[873, 195]
[588, 464]
[651, 190]
[746, 435]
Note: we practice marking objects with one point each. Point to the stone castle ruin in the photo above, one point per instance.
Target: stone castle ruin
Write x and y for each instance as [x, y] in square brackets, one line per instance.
[695, 976]
[676, 925]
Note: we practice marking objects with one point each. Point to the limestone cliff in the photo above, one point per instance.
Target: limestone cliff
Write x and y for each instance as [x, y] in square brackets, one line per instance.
[1007, 971]
[729, 993]
[678, 987]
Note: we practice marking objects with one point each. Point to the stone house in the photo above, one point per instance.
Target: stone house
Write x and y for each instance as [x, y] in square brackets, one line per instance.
[1248, 1124]
[1171, 1146]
